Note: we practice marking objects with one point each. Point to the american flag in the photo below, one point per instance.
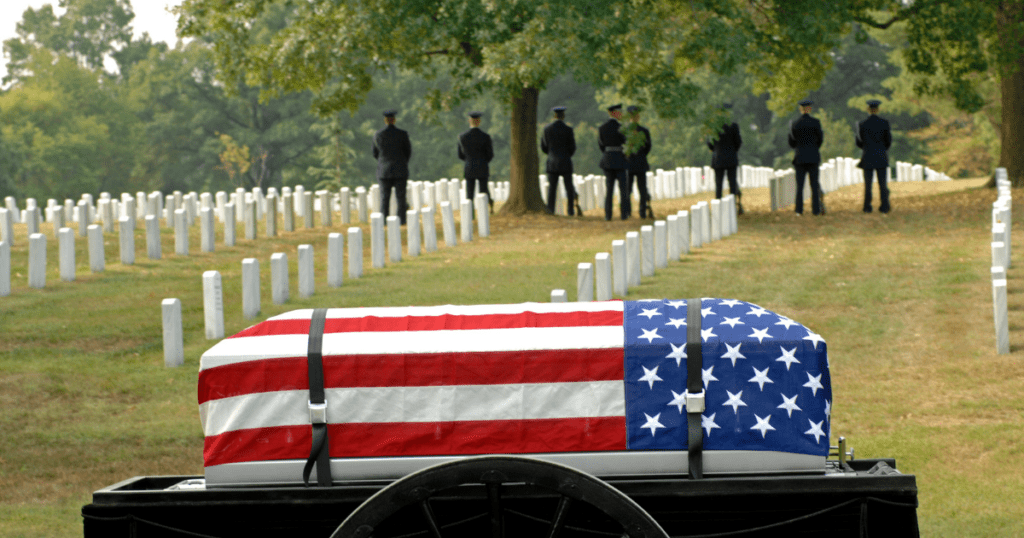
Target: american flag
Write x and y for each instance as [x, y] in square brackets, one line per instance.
[515, 379]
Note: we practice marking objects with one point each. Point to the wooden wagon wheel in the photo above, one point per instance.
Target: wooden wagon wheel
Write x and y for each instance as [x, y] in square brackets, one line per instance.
[492, 471]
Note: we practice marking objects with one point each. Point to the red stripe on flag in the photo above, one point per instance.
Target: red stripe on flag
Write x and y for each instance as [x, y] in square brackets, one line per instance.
[444, 322]
[415, 370]
[599, 434]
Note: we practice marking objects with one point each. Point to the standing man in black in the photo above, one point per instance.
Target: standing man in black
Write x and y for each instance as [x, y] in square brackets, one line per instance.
[874, 136]
[724, 159]
[638, 142]
[476, 149]
[613, 162]
[559, 143]
[805, 136]
[392, 150]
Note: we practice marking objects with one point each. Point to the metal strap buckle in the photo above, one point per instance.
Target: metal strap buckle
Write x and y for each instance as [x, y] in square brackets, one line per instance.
[317, 413]
[695, 402]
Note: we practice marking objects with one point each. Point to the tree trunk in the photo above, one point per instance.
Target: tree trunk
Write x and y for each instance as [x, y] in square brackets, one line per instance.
[524, 193]
[1011, 154]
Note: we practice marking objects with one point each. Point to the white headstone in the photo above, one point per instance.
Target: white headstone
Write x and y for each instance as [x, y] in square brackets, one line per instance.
[660, 244]
[153, 237]
[279, 278]
[307, 209]
[361, 205]
[355, 252]
[271, 215]
[620, 271]
[394, 238]
[1001, 318]
[306, 274]
[998, 273]
[684, 232]
[57, 219]
[412, 232]
[325, 208]
[83, 218]
[206, 230]
[221, 199]
[696, 224]
[250, 285]
[716, 220]
[180, 232]
[646, 251]
[705, 222]
[37, 260]
[483, 215]
[5, 268]
[249, 218]
[174, 344]
[559, 296]
[634, 259]
[603, 276]
[335, 259]
[97, 255]
[346, 205]
[466, 221]
[229, 225]
[584, 283]
[126, 238]
[6, 226]
[429, 229]
[448, 224]
[672, 228]
[288, 212]
[998, 254]
[213, 303]
[377, 242]
[66, 253]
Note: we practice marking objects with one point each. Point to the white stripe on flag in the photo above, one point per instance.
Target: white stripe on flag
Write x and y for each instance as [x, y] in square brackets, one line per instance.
[418, 404]
[456, 310]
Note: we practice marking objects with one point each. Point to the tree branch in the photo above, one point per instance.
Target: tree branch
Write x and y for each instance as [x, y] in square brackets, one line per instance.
[902, 15]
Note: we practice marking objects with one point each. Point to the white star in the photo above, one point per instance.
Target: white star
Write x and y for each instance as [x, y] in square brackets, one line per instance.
[760, 378]
[733, 353]
[729, 302]
[650, 376]
[676, 304]
[707, 333]
[649, 312]
[762, 425]
[707, 376]
[788, 357]
[732, 322]
[676, 322]
[652, 423]
[760, 334]
[828, 409]
[815, 430]
[678, 353]
[757, 311]
[815, 338]
[708, 423]
[678, 400]
[735, 401]
[814, 383]
[649, 335]
[787, 322]
[705, 312]
[789, 404]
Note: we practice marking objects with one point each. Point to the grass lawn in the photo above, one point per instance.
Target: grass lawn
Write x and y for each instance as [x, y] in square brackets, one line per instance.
[904, 301]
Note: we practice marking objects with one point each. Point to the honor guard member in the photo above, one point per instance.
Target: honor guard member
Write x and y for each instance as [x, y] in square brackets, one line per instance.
[806, 136]
[559, 143]
[874, 136]
[724, 159]
[613, 162]
[476, 149]
[638, 142]
[392, 150]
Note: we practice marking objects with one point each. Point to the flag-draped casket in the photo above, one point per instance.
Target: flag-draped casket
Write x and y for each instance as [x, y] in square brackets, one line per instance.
[602, 386]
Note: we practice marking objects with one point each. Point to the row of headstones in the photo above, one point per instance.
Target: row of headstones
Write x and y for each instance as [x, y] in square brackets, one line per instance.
[1001, 224]
[842, 172]
[382, 245]
[641, 254]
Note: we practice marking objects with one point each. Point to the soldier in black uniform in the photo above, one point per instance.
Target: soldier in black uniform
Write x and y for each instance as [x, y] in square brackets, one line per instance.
[559, 143]
[637, 156]
[806, 136]
[392, 150]
[724, 159]
[476, 149]
[874, 136]
[613, 162]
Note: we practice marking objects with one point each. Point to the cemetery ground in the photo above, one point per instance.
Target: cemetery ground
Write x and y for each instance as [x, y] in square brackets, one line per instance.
[903, 300]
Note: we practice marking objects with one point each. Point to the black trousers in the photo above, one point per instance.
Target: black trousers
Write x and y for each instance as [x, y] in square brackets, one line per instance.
[641, 186]
[471, 190]
[883, 189]
[734, 185]
[385, 196]
[611, 177]
[570, 191]
[804, 170]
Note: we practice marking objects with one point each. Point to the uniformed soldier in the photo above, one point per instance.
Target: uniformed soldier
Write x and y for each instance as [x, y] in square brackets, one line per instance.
[874, 136]
[559, 143]
[476, 149]
[613, 162]
[806, 137]
[392, 150]
[724, 159]
[637, 152]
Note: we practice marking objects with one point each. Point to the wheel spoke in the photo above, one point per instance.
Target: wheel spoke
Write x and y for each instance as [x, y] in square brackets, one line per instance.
[428, 514]
[494, 498]
[560, 514]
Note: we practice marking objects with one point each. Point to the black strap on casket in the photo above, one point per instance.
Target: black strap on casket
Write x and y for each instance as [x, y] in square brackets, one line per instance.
[694, 386]
[319, 454]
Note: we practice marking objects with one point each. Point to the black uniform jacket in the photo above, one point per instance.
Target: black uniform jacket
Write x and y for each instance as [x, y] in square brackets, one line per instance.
[608, 136]
[392, 150]
[875, 138]
[724, 149]
[559, 143]
[806, 137]
[638, 160]
[476, 150]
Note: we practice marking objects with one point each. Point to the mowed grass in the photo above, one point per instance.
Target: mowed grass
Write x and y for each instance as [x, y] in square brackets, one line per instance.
[903, 300]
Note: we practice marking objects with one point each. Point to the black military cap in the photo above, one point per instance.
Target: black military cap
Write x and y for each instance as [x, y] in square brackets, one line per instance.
[726, 106]
[558, 109]
[633, 109]
[806, 102]
[873, 103]
[390, 113]
[615, 107]
[476, 115]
